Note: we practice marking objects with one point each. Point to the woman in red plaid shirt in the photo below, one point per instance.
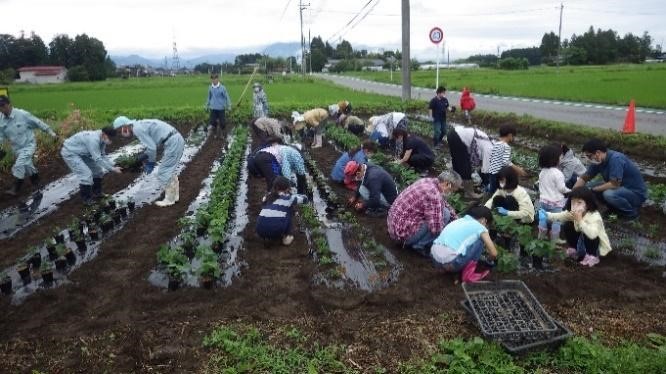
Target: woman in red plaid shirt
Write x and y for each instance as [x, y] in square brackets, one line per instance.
[421, 211]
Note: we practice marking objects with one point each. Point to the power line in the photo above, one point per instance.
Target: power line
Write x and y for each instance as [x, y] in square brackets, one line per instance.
[284, 10]
[362, 18]
[350, 21]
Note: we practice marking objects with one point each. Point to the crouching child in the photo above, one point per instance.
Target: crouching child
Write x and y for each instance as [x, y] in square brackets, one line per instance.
[275, 219]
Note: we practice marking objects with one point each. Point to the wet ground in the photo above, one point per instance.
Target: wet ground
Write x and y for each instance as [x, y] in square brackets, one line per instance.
[110, 318]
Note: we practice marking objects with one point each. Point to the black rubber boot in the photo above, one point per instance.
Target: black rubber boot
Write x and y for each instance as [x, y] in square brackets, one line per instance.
[86, 194]
[97, 189]
[15, 188]
[34, 179]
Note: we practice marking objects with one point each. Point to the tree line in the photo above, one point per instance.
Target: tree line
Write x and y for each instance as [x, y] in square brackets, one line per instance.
[594, 47]
[85, 57]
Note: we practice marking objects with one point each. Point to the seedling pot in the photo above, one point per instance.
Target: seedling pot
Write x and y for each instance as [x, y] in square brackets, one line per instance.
[93, 234]
[207, 282]
[52, 252]
[173, 284]
[24, 272]
[36, 260]
[6, 285]
[47, 276]
[112, 204]
[61, 263]
[537, 262]
[217, 247]
[131, 205]
[122, 211]
[116, 218]
[107, 226]
[201, 230]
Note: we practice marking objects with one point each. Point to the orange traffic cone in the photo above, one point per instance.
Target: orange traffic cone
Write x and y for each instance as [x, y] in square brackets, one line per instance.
[630, 120]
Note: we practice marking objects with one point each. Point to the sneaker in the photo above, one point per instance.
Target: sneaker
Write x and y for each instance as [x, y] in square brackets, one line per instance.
[593, 260]
[586, 260]
[571, 252]
[287, 239]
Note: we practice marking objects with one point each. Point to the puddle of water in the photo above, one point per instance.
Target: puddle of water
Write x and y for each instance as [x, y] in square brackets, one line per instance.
[144, 191]
[46, 201]
[229, 263]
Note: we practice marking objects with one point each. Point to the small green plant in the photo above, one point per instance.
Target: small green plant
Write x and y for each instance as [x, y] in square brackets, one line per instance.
[210, 268]
[540, 248]
[507, 262]
[46, 266]
[61, 249]
[185, 222]
[652, 252]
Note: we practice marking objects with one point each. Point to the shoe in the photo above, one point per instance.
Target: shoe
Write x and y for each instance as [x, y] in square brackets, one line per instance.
[593, 260]
[15, 188]
[97, 189]
[86, 194]
[586, 260]
[34, 179]
[571, 252]
[287, 239]
[317, 141]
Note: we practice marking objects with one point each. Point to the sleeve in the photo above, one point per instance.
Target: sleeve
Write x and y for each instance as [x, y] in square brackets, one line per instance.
[591, 225]
[299, 163]
[36, 123]
[147, 141]
[525, 210]
[616, 169]
[560, 217]
[97, 156]
[446, 103]
[506, 155]
[433, 212]
[2, 135]
[592, 171]
[286, 164]
[208, 100]
[299, 199]
[227, 98]
[560, 183]
[430, 104]
[489, 203]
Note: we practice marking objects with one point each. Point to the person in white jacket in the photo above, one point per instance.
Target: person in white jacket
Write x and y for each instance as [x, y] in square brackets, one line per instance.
[552, 188]
[583, 227]
[510, 199]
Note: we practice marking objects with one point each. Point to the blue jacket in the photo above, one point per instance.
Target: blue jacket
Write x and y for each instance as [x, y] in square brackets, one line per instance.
[18, 128]
[378, 182]
[274, 219]
[218, 98]
[89, 144]
[338, 172]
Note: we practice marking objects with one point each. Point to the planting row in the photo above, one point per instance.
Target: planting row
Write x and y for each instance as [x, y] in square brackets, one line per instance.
[202, 254]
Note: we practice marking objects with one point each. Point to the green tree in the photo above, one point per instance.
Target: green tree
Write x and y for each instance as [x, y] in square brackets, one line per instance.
[344, 50]
[60, 50]
[549, 47]
[7, 51]
[533, 55]
[91, 54]
[318, 59]
[77, 73]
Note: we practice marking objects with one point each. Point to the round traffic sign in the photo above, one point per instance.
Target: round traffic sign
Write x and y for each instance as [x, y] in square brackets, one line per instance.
[436, 35]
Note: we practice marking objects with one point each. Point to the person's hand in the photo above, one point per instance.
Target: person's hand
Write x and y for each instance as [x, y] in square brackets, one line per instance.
[351, 201]
[206, 108]
[359, 206]
[142, 157]
[148, 167]
[502, 211]
[117, 169]
[543, 217]
[577, 215]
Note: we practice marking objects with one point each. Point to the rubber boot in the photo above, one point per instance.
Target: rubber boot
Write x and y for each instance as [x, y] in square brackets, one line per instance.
[97, 189]
[86, 194]
[176, 189]
[169, 193]
[15, 188]
[317, 141]
[468, 186]
[34, 179]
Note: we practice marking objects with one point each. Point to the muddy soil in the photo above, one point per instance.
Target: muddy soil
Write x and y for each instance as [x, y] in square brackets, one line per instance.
[111, 319]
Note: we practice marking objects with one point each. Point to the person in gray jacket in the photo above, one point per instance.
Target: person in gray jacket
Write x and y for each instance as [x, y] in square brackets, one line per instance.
[85, 155]
[571, 166]
[17, 126]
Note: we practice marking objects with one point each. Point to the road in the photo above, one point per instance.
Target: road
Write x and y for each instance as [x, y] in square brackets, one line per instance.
[648, 121]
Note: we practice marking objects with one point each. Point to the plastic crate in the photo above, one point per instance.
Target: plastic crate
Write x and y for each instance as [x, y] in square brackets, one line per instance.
[522, 343]
[507, 309]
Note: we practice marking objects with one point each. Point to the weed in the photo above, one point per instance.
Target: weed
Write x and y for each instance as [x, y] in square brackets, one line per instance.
[652, 252]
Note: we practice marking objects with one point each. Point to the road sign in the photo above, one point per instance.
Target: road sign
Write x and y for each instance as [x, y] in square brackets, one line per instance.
[436, 35]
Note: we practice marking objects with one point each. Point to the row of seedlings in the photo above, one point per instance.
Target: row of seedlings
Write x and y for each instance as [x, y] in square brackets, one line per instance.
[48, 264]
[194, 257]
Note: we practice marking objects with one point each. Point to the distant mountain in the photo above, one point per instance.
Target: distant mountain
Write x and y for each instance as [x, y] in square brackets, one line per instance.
[282, 49]
[136, 60]
[210, 59]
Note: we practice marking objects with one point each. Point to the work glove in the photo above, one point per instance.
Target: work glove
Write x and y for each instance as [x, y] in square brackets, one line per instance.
[359, 206]
[502, 211]
[148, 167]
[351, 201]
[2, 154]
[142, 157]
[543, 217]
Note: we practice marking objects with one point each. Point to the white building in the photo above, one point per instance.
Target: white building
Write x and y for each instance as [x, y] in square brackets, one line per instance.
[42, 74]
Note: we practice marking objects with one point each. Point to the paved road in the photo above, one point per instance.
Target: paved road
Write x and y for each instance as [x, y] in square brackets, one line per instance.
[649, 121]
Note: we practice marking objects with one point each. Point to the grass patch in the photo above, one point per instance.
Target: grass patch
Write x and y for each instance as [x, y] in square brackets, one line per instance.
[611, 84]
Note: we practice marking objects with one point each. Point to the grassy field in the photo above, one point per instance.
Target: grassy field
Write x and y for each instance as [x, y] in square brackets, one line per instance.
[614, 84]
[182, 91]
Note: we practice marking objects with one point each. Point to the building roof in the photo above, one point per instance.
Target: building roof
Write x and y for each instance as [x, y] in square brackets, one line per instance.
[42, 70]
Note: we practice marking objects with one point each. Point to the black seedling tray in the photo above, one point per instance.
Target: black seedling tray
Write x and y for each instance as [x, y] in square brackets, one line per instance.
[506, 309]
[522, 343]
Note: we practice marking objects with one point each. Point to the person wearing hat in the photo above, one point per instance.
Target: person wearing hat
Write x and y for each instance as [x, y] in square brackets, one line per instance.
[360, 155]
[84, 153]
[311, 119]
[341, 108]
[217, 103]
[265, 127]
[260, 101]
[153, 133]
[376, 191]
[16, 126]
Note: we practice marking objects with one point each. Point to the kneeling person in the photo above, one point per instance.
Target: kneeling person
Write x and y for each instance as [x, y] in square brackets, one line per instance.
[376, 191]
[84, 153]
[462, 240]
[275, 218]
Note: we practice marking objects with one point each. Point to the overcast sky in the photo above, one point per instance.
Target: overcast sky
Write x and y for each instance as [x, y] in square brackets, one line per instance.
[149, 27]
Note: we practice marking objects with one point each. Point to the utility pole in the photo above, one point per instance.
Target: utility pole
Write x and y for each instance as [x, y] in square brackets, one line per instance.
[406, 73]
[559, 38]
[310, 51]
[302, 7]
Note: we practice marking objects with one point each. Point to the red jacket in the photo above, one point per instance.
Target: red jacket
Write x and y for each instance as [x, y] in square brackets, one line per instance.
[467, 101]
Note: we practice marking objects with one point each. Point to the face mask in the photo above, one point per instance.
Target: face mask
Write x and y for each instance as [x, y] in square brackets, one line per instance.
[256, 90]
[595, 162]
[125, 132]
[502, 184]
[106, 141]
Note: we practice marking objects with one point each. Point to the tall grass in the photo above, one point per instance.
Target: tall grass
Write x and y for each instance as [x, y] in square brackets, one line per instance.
[613, 84]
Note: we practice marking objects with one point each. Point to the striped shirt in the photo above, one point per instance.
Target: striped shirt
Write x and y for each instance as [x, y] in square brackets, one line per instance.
[500, 157]
[275, 217]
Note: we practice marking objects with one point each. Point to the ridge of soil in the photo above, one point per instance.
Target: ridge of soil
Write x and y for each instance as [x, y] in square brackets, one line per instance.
[111, 319]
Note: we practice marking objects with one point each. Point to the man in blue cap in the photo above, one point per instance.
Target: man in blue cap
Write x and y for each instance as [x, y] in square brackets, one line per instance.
[84, 153]
[17, 127]
[153, 133]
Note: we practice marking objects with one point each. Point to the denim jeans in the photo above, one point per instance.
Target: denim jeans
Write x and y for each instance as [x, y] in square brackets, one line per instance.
[555, 225]
[621, 200]
[473, 253]
[439, 131]
[421, 239]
